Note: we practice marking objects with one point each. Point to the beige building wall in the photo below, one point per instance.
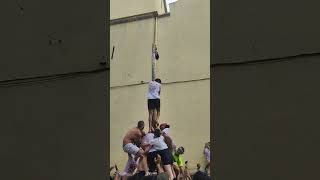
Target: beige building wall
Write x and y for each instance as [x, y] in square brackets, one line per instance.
[184, 41]
[184, 67]
[131, 61]
[124, 8]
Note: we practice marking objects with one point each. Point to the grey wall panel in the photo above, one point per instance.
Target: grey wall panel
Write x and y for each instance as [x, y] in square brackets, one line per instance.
[55, 130]
[253, 30]
[24, 41]
[266, 120]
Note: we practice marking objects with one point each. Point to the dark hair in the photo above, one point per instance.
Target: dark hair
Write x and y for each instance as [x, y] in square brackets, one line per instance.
[157, 133]
[200, 175]
[140, 125]
[182, 148]
[158, 80]
[163, 126]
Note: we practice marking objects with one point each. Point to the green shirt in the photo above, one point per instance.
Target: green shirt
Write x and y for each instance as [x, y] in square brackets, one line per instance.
[178, 159]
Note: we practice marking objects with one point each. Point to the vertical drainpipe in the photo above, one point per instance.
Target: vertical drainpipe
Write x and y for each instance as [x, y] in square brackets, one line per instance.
[154, 45]
[155, 68]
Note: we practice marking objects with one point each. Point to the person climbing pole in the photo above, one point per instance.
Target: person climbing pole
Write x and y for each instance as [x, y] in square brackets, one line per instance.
[154, 103]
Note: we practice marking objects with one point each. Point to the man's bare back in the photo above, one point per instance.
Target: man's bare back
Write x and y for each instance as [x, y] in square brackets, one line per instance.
[134, 135]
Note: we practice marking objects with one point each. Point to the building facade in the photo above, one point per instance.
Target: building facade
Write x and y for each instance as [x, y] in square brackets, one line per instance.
[182, 37]
[265, 89]
[53, 90]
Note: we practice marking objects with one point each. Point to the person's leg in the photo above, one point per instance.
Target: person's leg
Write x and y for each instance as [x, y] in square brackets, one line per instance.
[150, 110]
[150, 119]
[187, 173]
[173, 172]
[150, 161]
[176, 170]
[145, 164]
[158, 113]
[207, 167]
[168, 169]
[167, 161]
[143, 161]
[158, 109]
[154, 118]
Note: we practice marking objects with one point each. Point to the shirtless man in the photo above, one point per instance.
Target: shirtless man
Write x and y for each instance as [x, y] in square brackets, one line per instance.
[130, 141]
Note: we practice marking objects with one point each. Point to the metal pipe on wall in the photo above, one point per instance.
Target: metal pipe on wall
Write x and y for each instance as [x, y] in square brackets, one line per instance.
[154, 46]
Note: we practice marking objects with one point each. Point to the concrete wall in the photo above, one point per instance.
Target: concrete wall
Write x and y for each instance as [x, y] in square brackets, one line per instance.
[25, 40]
[131, 61]
[252, 30]
[266, 119]
[49, 130]
[266, 115]
[183, 44]
[53, 128]
[184, 41]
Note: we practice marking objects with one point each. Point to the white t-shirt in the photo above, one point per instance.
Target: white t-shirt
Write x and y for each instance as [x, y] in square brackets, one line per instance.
[147, 139]
[207, 154]
[158, 143]
[166, 130]
[154, 88]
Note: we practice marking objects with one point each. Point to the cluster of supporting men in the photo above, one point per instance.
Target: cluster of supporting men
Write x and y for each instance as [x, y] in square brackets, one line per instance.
[154, 155]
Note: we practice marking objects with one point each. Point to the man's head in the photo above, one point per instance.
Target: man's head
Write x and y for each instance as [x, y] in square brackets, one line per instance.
[140, 125]
[158, 80]
[201, 175]
[164, 125]
[157, 133]
[180, 150]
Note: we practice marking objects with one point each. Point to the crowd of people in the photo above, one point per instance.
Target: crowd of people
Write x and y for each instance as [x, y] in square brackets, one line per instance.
[154, 155]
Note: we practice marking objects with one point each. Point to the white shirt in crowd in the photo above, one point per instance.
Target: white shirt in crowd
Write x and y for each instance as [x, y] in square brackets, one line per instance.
[207, 154]
[166, 130]
[147, 139]
[158, 143]
[154, 88]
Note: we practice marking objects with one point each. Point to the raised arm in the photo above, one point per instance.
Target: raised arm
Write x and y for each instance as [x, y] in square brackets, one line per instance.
[143, 133]
[167, 139]
[147, 147]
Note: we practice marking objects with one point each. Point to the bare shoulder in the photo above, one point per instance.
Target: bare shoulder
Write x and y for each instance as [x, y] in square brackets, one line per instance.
[136, 131]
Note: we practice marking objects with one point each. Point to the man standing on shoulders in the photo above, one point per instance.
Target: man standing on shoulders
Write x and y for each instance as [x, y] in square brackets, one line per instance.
[154, 103]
